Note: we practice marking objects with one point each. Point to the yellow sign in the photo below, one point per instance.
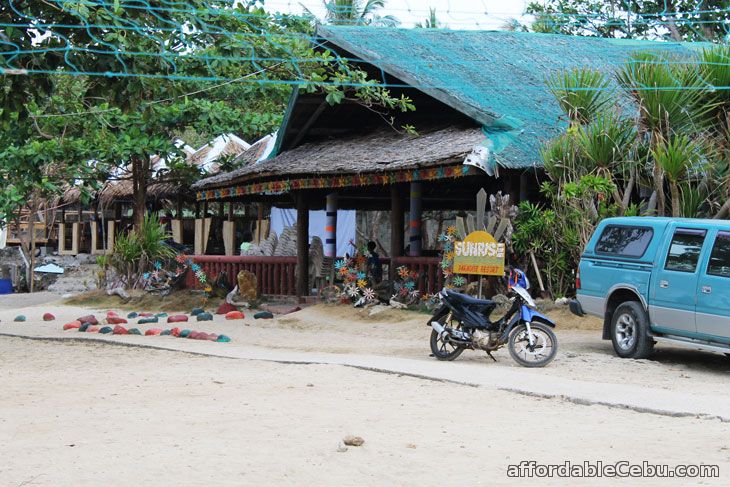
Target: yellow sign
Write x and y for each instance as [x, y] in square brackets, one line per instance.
[479, 254]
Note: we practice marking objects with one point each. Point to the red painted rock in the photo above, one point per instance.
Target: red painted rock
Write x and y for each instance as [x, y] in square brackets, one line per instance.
[145, 315]
[74, 325]
[177, 319]
[225, 308]
[153, 332]
[293, 310]
[48, 317]
[116, 320]
[120, 330]
[212, 337]
[234, 315]
[90, 319]
[202, 336]
[175, 332]
[193, 334]
[109, 314]
[92, 329]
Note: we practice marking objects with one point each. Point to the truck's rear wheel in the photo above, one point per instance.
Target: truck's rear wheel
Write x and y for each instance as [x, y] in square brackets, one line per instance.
[630, 331]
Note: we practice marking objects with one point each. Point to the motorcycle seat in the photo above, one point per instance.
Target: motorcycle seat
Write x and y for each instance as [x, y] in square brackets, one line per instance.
[466, 299]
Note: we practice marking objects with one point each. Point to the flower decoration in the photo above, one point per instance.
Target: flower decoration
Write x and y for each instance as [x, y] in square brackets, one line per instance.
[344, 271]
[448, 247]
[368, 294]
[451, 230]
[362, 283]
[339, 264]
[409, 285]
[195, 267]
[146, 276]
[352, 291]
[459, 281]
[403, 272]
[361, 275]
[181, 258]
[415, 293]
[158, 265]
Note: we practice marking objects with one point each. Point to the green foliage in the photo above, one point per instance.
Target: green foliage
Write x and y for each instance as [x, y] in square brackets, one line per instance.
[354, 12]
[136, 252]
[582, 93]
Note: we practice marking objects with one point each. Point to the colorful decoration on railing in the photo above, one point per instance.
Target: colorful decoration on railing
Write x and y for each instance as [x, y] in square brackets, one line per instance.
[353, 272]
[161, 279]
[405, 288]
[278, 187]
[447, 240]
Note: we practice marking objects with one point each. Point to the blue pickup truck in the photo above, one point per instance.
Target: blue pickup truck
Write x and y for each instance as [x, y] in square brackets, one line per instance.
[658, 280]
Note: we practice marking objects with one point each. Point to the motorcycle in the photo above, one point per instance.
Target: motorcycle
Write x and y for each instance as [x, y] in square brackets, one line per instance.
[462, 322]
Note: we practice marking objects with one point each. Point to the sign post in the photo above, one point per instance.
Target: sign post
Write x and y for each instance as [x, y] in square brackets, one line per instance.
[479, 253]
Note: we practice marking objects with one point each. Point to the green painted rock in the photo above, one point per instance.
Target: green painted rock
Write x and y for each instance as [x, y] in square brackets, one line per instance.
[144, 321]
[263, 315]
[133, 314]
[106, 329]
[223, 339]
[161, 315]
[184, 333]
[134, 331]
[20, 318]
[84, 327]
[204, 317]
[197, 311]
[164, 332]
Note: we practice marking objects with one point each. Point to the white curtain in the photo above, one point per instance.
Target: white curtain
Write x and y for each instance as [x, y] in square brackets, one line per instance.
[346, 223]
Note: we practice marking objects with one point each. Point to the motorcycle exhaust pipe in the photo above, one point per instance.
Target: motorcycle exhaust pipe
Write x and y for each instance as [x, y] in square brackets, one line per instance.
[438, 327]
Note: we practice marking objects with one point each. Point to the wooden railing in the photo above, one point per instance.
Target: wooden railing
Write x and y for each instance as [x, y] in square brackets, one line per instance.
[275, 275]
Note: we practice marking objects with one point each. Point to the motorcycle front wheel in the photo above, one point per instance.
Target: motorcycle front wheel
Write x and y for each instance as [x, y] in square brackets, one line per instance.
[543, 349]
[444, 349]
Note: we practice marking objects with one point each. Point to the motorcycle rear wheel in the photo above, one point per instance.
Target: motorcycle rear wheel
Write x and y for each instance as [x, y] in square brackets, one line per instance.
[445, 349]
[543, 350]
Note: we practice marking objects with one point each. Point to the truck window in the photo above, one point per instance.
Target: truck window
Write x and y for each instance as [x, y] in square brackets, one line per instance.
[719, 264]
[627, 241]
[684, 252]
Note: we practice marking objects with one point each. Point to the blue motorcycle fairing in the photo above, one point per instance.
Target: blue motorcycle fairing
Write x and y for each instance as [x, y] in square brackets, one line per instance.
[528, 314]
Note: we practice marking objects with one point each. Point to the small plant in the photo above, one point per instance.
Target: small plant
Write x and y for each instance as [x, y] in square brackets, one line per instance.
[136, 253]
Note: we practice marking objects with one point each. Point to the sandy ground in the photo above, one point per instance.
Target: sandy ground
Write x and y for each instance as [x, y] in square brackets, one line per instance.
[343, 330]
[92, 414]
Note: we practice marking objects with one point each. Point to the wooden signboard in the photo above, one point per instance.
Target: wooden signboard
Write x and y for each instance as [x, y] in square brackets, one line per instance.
[480, 254]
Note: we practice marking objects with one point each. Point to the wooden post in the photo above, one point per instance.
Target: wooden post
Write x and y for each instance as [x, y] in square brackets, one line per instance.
[414, 217]
[179, 210]
[396, 229]
[302, 246]
[260, 218]
[330, 227]
[197, 210]
[230, 211]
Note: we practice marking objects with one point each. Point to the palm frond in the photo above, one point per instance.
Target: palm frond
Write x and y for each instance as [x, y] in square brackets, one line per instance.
[582, 93]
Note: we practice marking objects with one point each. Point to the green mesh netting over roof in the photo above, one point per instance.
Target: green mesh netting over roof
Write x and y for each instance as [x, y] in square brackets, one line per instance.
[496, 78]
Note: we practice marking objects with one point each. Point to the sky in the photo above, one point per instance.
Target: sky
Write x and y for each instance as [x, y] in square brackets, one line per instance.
[456, 14]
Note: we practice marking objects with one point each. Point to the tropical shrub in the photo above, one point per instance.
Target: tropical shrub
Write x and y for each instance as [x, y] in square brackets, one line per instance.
[136, 252]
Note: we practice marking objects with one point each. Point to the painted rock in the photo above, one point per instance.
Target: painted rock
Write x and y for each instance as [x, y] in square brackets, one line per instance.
[120, 330]
[84, 327]
[202, 336]
[145, 315]
[234, 315]
[134, 331]
[48, 317]
[212, 337]
[109, 314]
[197, 311]
[165, 332]
[193, 334]
[204, 317]
[177, 319]
[152, 319]
[153, 332]
[91, 319]
[116, 320]
[92, 329]
[247, 286]
[74, 325]
[175, 332]
[184, 333]
[223, 339]
[263, 315]
[161, 315]
[293, 310]
[132, 315]
[225, 308]
[106, 329]
[20, 318]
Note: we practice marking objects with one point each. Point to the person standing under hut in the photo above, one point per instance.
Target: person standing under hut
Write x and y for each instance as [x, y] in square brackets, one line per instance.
[374, 266]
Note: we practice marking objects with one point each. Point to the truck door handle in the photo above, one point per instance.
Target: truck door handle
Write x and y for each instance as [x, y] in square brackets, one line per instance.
[706, 289]
[664, 284]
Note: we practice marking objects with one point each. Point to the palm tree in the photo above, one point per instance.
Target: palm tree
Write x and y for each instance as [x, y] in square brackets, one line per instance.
[432, 22]
[354, 12]
[582, 93]
[676, 158]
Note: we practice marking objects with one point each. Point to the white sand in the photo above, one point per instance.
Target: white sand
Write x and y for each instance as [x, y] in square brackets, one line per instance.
[91, 414]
